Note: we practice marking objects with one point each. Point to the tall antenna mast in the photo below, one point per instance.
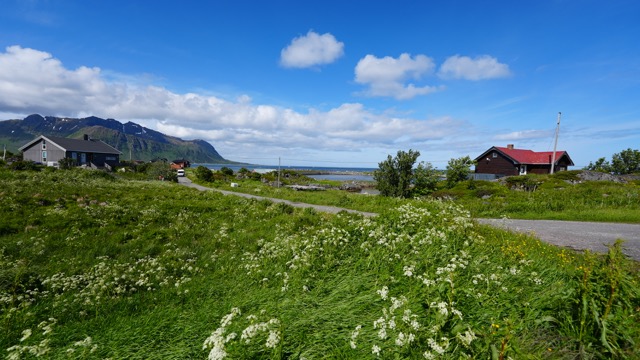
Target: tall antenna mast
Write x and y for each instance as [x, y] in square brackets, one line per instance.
[555, 145]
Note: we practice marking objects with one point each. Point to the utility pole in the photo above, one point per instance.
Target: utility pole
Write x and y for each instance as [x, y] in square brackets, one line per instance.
[555, 145]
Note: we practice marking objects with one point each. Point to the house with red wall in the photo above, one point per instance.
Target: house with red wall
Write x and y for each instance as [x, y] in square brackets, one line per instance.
[509, 161]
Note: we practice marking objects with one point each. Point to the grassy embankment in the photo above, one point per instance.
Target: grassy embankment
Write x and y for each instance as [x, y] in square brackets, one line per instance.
[95, 267]
[557, 197]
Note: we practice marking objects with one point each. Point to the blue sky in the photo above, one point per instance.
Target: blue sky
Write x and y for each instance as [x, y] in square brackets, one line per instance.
[335, 83]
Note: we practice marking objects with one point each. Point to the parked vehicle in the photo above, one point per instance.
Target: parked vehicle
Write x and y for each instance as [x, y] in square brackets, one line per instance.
[180, 172]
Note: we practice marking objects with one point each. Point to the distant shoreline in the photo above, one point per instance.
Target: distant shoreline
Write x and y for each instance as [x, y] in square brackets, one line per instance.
[305, 170]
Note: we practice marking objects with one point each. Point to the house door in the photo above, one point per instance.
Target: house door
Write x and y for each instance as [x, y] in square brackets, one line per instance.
[523, 169]
[83, 158]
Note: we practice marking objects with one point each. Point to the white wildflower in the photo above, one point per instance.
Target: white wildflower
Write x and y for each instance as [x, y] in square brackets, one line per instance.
[375, 350]
[408, 271]
[25, 335]
[273, 340]
[383, 292]
[466, 338]
[382, 333]
[354, 336]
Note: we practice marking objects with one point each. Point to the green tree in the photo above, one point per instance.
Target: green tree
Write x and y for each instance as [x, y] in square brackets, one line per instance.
[204, 173]
[601, 165]
[426, 178]
[394, 175]
[458, 170]
[626, 162]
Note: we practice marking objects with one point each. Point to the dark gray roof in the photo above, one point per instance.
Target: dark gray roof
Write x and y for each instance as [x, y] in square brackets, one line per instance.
[89, 146]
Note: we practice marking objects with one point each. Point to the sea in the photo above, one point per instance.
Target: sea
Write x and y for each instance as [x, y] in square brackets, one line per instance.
[314, 172]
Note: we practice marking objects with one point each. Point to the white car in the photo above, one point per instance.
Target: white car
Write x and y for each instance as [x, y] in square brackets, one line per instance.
[180, 172]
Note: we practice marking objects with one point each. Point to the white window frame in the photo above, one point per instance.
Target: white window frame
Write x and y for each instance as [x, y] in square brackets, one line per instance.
[523, 169]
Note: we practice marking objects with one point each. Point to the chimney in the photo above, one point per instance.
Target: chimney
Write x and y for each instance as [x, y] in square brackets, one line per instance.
[86, 137]
[509, 146]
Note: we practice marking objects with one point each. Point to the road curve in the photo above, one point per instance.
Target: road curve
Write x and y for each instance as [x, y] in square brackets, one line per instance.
[574, 235]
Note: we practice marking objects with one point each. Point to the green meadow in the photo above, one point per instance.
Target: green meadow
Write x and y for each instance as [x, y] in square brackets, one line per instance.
[94, 266]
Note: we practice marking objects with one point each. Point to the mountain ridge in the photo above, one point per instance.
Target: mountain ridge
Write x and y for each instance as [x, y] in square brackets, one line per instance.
[135, 141]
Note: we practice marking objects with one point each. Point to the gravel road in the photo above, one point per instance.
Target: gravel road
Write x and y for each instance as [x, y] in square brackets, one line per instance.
[570, 234]
[577, 235]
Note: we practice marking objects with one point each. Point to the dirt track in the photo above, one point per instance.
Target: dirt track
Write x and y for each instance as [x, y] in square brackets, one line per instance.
[570, 234]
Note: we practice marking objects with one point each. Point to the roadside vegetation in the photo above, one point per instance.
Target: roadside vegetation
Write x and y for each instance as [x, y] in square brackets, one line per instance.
[569, 195]
[96, 266]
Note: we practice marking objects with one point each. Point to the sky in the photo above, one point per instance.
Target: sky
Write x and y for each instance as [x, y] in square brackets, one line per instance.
[335, 83]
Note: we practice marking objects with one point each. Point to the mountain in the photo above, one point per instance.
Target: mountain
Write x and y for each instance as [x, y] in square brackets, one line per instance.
[134, 141]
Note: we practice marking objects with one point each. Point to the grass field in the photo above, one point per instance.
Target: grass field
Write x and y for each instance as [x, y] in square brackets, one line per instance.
[553, 197]
[96, 267]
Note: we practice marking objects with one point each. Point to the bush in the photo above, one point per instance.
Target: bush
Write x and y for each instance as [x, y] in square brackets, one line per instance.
[67, 163]
[204, 174]
[24, 165]
[527, 182]
[226, 171]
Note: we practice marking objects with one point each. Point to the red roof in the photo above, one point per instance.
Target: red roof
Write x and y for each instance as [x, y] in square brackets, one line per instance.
[531, 157]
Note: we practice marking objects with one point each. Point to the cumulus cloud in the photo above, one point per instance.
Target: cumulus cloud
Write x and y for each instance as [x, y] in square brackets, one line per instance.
[311, 50]
[33, 81]
[388, 76]
[480, 68]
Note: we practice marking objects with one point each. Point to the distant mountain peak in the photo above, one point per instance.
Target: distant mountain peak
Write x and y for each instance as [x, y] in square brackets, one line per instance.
[130, 138]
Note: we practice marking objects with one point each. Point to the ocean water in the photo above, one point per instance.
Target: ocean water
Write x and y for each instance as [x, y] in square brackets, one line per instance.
[325, 173]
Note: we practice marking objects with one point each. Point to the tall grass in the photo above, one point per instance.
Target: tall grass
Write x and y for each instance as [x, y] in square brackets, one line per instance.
[95, 267]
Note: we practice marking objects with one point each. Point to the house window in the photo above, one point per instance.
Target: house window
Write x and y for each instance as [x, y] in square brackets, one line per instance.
[494, 155]
[111, 158]
[523, 169]
[44, 156]
[44, 145]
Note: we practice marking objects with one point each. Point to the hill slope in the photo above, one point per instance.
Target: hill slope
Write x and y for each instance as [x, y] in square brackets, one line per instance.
[134, 141]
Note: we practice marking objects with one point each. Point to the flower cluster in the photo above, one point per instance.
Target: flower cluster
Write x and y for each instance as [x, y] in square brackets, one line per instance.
[218, 339]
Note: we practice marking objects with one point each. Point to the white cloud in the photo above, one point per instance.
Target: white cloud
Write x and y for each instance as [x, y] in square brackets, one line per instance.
[311, 50]
[480, 68]
[525, 135]
[33, 81]
[388, 76]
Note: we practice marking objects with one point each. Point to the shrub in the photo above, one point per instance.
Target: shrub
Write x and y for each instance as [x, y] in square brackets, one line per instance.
[24, 165]
[394, 175]
[204, 174]
[66, 163]
[527, 182]
[226, 171]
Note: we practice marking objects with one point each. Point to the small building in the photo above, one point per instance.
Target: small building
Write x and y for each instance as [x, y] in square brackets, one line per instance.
[180, 164]
[509, 161]
[49, 150]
